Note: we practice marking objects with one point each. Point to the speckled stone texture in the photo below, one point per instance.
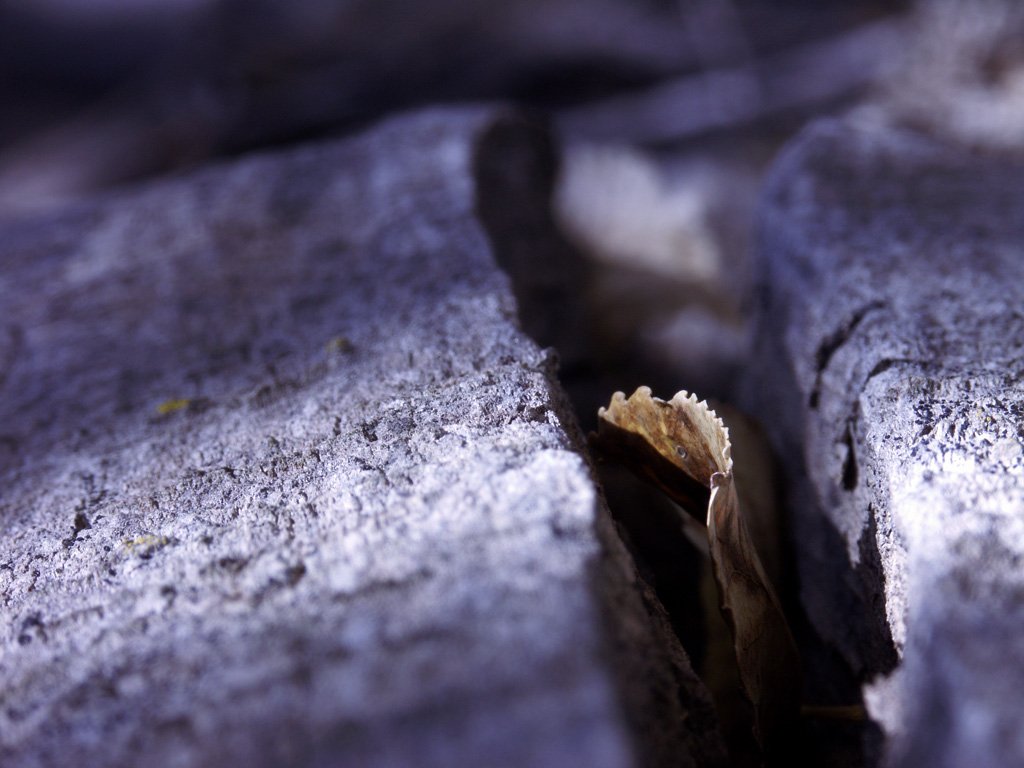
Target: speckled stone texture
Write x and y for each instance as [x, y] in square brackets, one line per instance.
[890, 361]
[283, 483]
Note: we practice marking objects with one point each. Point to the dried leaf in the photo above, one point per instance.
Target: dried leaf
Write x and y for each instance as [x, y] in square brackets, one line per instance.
[682, 445]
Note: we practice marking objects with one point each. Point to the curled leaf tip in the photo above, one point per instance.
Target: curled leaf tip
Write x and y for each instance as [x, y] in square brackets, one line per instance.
[678, 445]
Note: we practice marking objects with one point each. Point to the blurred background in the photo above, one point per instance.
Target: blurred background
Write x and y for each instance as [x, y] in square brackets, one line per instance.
[667, 111]
[94, 93]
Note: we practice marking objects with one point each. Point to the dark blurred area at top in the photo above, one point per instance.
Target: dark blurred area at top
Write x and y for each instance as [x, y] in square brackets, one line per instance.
[97, 92]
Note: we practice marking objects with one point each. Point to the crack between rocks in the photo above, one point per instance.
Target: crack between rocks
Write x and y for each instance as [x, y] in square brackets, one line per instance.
[833, 343]
[665, 706]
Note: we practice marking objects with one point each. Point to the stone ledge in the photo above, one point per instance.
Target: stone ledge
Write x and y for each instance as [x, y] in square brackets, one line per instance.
[890, 286]
[284, 483]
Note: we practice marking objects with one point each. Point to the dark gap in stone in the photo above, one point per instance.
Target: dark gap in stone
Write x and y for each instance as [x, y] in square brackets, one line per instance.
[838, 657]
[885, 364]
[850, 473]
[870, 579]
[516, 166]
[881, 367]
[833, 342]
[650, 527]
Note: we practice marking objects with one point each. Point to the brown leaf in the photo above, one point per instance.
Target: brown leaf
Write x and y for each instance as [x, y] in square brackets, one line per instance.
[681, 444]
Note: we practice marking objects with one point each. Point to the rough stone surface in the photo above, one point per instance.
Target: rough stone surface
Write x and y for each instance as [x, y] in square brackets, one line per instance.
[890, 365]
[283, 483]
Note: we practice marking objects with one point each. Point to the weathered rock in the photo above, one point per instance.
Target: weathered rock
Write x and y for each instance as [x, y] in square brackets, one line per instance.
[284, 484]
[891, 275]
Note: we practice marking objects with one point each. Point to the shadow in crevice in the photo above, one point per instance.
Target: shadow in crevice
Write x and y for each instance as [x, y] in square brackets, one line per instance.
[863, 642]
[843, 636]
[845, 631]
[668, 708]
[837, 610]
[551, 281]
